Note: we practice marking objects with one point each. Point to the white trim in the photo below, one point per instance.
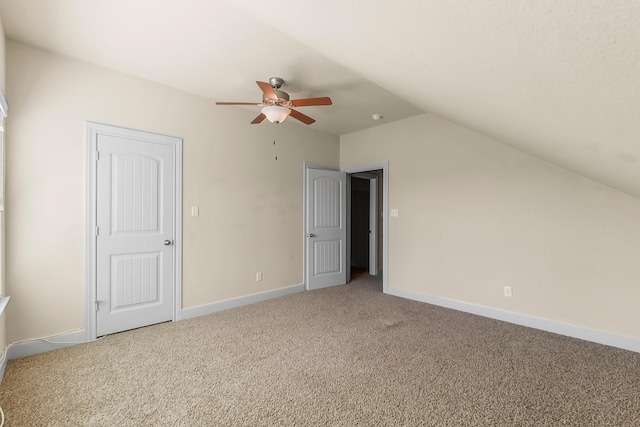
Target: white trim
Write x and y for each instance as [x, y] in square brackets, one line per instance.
[305, 166]
[347, 245]
[4, 111]
[177, 229]
[4, 106]
[41, 345]
[4, 301]
[385, 209]
[373, 227]
[600, 337]
[93, 130]
[3, 364]
[202, 310]
[90, 227]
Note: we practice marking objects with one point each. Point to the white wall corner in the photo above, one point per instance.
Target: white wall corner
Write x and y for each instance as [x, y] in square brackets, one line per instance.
[592, 335]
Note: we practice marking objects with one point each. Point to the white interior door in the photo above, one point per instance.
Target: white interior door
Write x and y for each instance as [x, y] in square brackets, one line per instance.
[326, 235]
[136, 204]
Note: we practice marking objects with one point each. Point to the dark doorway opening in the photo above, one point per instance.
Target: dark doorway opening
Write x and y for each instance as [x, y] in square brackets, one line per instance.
[365, 222]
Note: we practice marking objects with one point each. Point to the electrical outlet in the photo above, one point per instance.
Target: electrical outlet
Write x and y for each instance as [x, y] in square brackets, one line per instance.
[507, 291]
[259, 276]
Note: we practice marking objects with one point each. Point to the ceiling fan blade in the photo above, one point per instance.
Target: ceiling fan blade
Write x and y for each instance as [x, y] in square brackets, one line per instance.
[237, 103]
[307, 102]
[258, 119]
[267, 90]
[304, 119]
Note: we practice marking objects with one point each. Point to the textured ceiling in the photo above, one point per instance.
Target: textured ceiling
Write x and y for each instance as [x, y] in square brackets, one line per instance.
[558, 79]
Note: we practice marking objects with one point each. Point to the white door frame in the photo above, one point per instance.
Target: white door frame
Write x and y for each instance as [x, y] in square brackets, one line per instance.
[373, 219]
[384, 166]
[93, 130]
[373, 226]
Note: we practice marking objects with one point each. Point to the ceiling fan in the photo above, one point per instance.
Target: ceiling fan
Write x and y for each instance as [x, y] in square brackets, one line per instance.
[277, 106]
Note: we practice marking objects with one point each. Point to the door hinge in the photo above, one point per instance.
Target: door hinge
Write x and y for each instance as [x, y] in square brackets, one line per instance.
[98, 305]
[97, 230]
[97, 156]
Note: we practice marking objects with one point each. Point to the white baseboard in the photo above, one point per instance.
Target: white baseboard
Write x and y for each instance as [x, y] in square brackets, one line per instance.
[606, 338]
[41, 345]
[214, 307]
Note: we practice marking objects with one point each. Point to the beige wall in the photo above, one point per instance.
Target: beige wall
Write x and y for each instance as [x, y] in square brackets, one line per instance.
[250, 204]
[476, 215]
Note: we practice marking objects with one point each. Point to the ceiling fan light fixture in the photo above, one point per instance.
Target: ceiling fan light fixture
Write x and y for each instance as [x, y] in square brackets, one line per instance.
[275, 113]
[277, 105]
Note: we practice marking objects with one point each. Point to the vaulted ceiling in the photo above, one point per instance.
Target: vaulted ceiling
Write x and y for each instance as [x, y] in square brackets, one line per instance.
[559, 79]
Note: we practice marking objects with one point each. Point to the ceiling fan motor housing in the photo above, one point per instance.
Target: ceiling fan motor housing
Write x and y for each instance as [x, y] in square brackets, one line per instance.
[276, 82]
[283, 97]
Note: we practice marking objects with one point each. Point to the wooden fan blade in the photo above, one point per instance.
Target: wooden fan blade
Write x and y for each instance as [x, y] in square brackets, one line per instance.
[237, 103]
[307, 102]
[258, 119]
[267, 90]
[304, 119]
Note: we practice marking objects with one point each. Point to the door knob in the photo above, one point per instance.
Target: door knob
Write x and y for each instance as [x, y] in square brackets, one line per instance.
[312, 235]
[167, 242]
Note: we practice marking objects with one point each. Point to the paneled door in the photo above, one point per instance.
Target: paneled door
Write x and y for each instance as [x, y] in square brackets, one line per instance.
[326, 236]
[136, 204]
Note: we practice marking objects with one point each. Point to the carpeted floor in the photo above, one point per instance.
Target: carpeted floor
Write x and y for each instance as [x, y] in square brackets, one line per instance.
[342, 356]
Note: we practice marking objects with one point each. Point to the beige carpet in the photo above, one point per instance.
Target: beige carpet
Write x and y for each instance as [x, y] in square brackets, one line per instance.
[344, 356]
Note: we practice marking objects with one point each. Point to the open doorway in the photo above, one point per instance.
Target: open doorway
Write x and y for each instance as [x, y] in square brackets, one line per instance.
[366, 225]
[343, 248]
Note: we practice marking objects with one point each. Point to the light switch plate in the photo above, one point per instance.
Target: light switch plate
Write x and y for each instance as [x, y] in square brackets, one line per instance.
[394, 212]
[195, 211]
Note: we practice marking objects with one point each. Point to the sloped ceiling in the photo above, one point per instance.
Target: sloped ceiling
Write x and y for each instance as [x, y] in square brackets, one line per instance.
[558, 79]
